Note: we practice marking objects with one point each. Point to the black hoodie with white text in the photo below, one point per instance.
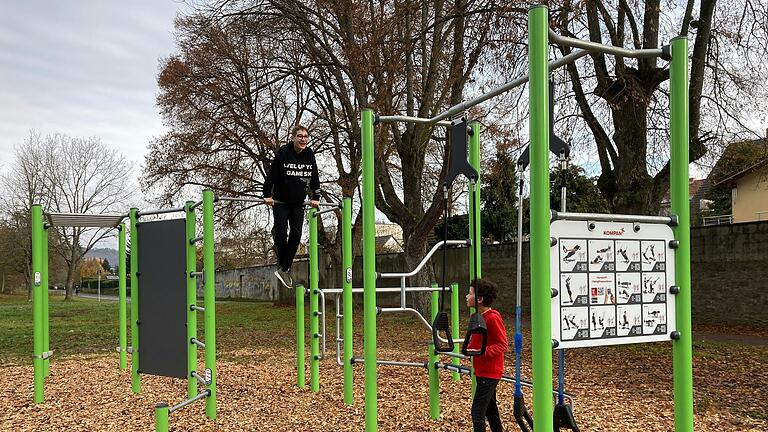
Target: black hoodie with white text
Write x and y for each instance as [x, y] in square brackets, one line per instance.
[289, 175]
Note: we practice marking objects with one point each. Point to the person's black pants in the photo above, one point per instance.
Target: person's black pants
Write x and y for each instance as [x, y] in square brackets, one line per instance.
[288, 223]
[484, 406]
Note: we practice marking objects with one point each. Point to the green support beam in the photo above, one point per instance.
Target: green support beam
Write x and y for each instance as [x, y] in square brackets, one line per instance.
[682, 348]
[121, 290]
[191, 268]
[314, 311]
[369, 273]
[209, 301]
[44, 292]
[37, 302]
[455, 328]
[300, 360]
[538, 97]
[135, 378]
[346, 246]
[433, 373]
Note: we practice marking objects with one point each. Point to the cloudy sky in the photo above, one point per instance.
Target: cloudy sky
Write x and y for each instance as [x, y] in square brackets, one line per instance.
[83, 68]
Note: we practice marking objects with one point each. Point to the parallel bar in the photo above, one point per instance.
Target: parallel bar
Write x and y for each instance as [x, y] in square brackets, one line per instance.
[607, 217]
[369, 272]
[200, 379]
[601, 48]
[384, 290]
[195, 341]
[325, 211]
[241, 199]
[682, 348]
[135, 378]
[426, 258]
[122, 304]
[191, 266]
[346, 257]
[193, 240]
[197, 308]
[538, 25]
[160, 211]
[408, 119]
[209, 301]
[357, 360]
[414, 312]
[181, 405]
[37, 301]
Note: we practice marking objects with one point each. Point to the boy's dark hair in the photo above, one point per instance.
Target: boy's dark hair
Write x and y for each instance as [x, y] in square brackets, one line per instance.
[485, 289]
[298, 128]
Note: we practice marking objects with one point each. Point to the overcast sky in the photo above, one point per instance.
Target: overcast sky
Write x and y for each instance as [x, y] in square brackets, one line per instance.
[83, 68]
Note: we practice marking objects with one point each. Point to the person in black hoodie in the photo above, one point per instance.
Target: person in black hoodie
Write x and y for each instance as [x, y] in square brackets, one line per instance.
[292, 175]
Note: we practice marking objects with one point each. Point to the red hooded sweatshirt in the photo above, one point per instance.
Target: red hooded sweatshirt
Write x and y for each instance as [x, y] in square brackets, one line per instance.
[490, 364]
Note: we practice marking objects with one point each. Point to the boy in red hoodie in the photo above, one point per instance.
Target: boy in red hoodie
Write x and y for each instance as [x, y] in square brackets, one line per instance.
[489, 367]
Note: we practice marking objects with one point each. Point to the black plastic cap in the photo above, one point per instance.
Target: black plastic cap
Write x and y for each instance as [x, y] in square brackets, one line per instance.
[675, 335]
[636, 228]
[591, 226]
[674, 289]
[376, 119]
[552, 241]
[554, 292]
[666, 53]
[674, 244]
[555, 343]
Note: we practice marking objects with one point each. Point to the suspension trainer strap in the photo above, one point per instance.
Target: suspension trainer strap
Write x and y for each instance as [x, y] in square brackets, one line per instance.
[476, 325]
[441, 323]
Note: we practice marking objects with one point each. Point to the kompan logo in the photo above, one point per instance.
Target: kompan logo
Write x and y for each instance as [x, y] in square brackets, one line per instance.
[614, 232]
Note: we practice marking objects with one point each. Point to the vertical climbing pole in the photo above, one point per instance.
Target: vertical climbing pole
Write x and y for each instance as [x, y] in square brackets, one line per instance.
[474, 216]
[369, 273]
[209, 301]
[191, 268]
[314, 310]
[300, 360]
[682, 350]
[121, 307]
[37, 301]
[538, 25]
[135, 378]
[44, 292]
[434, 379]
[346, 246]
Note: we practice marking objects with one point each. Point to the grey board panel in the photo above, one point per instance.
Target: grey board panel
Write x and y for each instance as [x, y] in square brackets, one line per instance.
[162, 298]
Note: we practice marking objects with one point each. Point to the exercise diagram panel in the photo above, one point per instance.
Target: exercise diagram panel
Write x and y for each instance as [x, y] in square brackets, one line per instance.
[613, 283]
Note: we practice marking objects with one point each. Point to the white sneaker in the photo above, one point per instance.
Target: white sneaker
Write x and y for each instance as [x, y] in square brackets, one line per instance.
[284, 277]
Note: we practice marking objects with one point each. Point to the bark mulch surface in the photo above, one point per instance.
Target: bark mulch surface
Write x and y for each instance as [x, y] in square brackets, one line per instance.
[616, 389]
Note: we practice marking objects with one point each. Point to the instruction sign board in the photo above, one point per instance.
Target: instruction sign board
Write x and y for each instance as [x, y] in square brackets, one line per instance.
[613, 283]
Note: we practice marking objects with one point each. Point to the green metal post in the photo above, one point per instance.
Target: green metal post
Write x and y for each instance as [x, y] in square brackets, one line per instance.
[474, 215]
[682, 349]
[44, 291]
[455, 326]
[37, 302]
[434, 379]
[121, 306]
[161, 417]
[300, 360]
[191, 268]
[346, 252]
[209, 301]
[369, 273]
[135, 378]
[314, 312]
[538, 25]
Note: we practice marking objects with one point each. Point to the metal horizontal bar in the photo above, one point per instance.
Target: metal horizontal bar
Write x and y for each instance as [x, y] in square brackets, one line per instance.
[602, 48]
[197, 308]
[199, 378]
[85, 220]
[426, 258]
[414, 312]
[197, 342]
[407, 119]
[453, 354]
[160, 211]
[196, 205]
[607, 217]
[242, 199]
[325, 211]
[195, 274]
[562, 61]
[506, 378]
[195, 240]
[358, 360]
[199, 396]
[386, 290]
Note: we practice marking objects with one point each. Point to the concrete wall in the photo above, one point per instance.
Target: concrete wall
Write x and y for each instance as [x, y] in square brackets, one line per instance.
[729, 267]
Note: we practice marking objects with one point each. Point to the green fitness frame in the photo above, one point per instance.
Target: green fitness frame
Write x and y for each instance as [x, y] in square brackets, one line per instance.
[42, 353]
